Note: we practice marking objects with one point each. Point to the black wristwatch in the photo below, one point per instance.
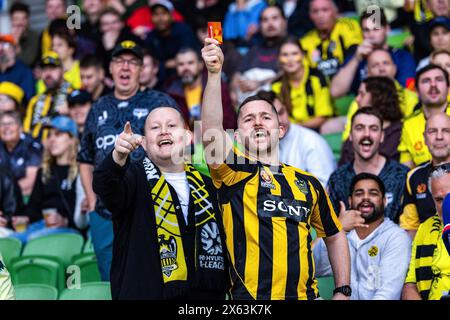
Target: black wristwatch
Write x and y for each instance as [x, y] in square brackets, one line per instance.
[345, 290]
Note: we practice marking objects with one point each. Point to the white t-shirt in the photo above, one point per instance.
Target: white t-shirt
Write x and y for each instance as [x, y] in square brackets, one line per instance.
[179, 182]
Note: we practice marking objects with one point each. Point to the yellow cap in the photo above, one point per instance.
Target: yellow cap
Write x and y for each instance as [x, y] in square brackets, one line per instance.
[12, 90]
[50, 58]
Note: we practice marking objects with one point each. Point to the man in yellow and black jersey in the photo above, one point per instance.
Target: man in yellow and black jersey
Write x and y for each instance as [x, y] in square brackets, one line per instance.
[52, 102]
[268, 208]
[333, 40]
[432, 85]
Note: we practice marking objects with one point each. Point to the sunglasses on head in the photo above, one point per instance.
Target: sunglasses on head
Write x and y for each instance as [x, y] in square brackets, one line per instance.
[443, 166]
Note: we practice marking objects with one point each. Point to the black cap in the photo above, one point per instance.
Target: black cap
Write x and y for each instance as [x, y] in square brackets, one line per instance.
[78, 97]
[439, 21]
[130, 47]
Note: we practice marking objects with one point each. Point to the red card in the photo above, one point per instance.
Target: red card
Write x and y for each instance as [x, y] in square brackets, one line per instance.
[215, 31]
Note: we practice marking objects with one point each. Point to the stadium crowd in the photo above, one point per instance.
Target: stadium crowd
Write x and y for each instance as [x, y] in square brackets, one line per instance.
[353, 95]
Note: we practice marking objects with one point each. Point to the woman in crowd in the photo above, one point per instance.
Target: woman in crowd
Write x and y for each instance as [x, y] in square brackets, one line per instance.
[303, 90]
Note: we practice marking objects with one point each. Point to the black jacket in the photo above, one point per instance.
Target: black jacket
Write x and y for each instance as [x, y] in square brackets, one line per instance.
[136, 267]
[11, 202]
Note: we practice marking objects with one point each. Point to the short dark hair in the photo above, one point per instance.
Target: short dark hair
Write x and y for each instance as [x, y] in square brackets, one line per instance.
[428, 68]
[275, 5]
[369, 111]
[110, 10]
[192, 50]
[257, 97]
[91, 60]
[367, 176]
[19, 7]
[149, 53]
[13, 114]
[369, 14]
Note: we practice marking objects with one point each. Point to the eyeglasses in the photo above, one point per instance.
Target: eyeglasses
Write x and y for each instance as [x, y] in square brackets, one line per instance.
[131, 62]
[5, 45]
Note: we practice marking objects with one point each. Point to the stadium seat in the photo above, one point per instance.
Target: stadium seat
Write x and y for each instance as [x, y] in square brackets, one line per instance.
[335, 142]
[342, 104]
[396, 38]
[10, 248]
[37, 270]
[88, 267]
[198, 160]
[35, 292]
[63, 246]
[88, 291]
[326, 287]
[88, 246]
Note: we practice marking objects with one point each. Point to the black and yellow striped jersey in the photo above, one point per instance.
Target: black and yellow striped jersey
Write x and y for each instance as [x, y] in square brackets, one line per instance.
[268, 213]
[328, 55]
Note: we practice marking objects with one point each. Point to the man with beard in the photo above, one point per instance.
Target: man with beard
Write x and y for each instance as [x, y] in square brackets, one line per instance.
[354, 69]
[432, 84]
[52, 102]
[377, 245]
[187, 89]
[168, 236]
[14, 70]
[418, 203]
[366, 136]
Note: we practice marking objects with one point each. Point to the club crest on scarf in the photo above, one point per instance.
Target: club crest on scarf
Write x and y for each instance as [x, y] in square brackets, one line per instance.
[168, 254]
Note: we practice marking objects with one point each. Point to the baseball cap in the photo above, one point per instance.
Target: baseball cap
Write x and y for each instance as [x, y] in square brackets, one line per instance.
[7, 38]
[162, 3]
[439, 21]
[12, 90]
[130, 47]
[50, 58]
[63, 124]
[78, 97]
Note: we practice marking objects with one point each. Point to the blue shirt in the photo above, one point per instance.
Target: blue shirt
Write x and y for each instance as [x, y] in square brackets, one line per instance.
[406, 68]
[393, 176]
[21, 75]
[105, 122]
[27, 153]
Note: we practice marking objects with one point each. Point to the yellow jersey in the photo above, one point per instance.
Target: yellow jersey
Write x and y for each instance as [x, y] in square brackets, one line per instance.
[329, 54]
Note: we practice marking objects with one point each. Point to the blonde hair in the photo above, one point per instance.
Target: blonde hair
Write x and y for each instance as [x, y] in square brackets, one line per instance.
[49, 161]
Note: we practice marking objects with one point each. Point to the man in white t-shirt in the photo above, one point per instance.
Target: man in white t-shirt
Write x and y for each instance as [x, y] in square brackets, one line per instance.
[301, 147]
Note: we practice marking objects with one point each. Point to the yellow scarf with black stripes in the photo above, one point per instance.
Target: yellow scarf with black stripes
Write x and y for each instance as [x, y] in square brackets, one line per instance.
[209, 251]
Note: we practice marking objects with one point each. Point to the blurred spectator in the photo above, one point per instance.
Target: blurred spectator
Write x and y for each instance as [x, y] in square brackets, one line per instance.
[27, 40]
[54, 9]
[418, 203]
[301, 147]
[209, 10]
[241, 21]
[149, 74]
[136, 15]
[389, 7]
[11, 97]
[381, 94]
[13, 70]
[366, 136]
[439, 37]
[333, 40]
[354, 69]
[113, 32]
[377, 245]
[63, 43]
[92, 76]
[432, 85]
[428, 277]
[187, 89]
[303, 90]
[441, 58]
[50, 103]
[57, 191]
[104, 123]
[421, 30]
[19, 152]
[11, 202]
[89, 36]
[260, 65]
[80, 103]
[380, 64]
[296, 13]
[168, 37]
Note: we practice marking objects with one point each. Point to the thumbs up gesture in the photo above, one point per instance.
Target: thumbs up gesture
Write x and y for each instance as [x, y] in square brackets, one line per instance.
[126, 143]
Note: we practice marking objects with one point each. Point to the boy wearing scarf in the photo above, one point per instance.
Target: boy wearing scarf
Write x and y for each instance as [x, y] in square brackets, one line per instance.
[168, 239]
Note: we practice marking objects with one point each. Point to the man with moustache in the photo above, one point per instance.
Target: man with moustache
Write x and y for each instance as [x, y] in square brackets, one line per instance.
[377, 245]
[169, 241]
[188, 86]
[52, 102]
[366, 135]
[432, 85]
[418, 204]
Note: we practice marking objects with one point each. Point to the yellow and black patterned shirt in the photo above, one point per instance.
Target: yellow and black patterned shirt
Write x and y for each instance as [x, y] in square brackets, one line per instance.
[267, 214]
